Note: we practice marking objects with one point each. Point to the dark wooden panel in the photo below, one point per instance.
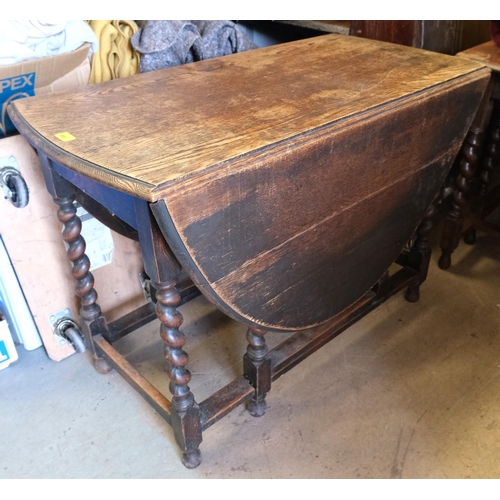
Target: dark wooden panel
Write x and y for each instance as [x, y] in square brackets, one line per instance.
[400, 32]
[266, 201]
[450, 37]
[446, 37]
[323, 270]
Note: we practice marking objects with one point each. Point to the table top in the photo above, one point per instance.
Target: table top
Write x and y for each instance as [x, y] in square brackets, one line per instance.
[148, 132]
[487, 53]
[285, 180]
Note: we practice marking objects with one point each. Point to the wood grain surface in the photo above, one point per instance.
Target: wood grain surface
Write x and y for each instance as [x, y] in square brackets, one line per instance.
[487, 53]
[295, 236]
[144, 133]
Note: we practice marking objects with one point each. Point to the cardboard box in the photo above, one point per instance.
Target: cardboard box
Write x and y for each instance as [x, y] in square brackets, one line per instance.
[41, 76]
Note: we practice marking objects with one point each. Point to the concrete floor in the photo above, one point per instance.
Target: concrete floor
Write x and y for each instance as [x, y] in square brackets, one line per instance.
[410, 391]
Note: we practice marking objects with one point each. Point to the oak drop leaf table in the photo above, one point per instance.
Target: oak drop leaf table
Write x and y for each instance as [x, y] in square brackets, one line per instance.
[285, 181]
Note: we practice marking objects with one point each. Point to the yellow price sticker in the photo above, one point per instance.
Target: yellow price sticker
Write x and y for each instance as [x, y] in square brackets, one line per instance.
[65, 136]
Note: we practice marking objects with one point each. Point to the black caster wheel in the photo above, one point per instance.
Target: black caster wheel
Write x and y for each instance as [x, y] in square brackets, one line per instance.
[470, 236]
[18, 192]
[74, 337]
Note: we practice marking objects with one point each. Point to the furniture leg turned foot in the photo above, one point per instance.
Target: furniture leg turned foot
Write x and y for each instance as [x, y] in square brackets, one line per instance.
[444, 261]
[413, 293]
[191, 459]
[185, 412]
[92, 321]
[102, 366]
[470, 236]
[257, 369]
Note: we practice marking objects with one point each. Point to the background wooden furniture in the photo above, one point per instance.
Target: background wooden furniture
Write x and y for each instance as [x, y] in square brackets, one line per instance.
[447, 37]
[480, 152]
[286, 205]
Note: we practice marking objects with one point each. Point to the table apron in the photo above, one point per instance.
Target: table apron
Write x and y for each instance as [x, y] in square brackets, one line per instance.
[117, 202]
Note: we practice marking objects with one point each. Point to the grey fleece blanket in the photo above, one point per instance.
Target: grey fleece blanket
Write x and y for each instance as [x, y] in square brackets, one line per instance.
[170, 43]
